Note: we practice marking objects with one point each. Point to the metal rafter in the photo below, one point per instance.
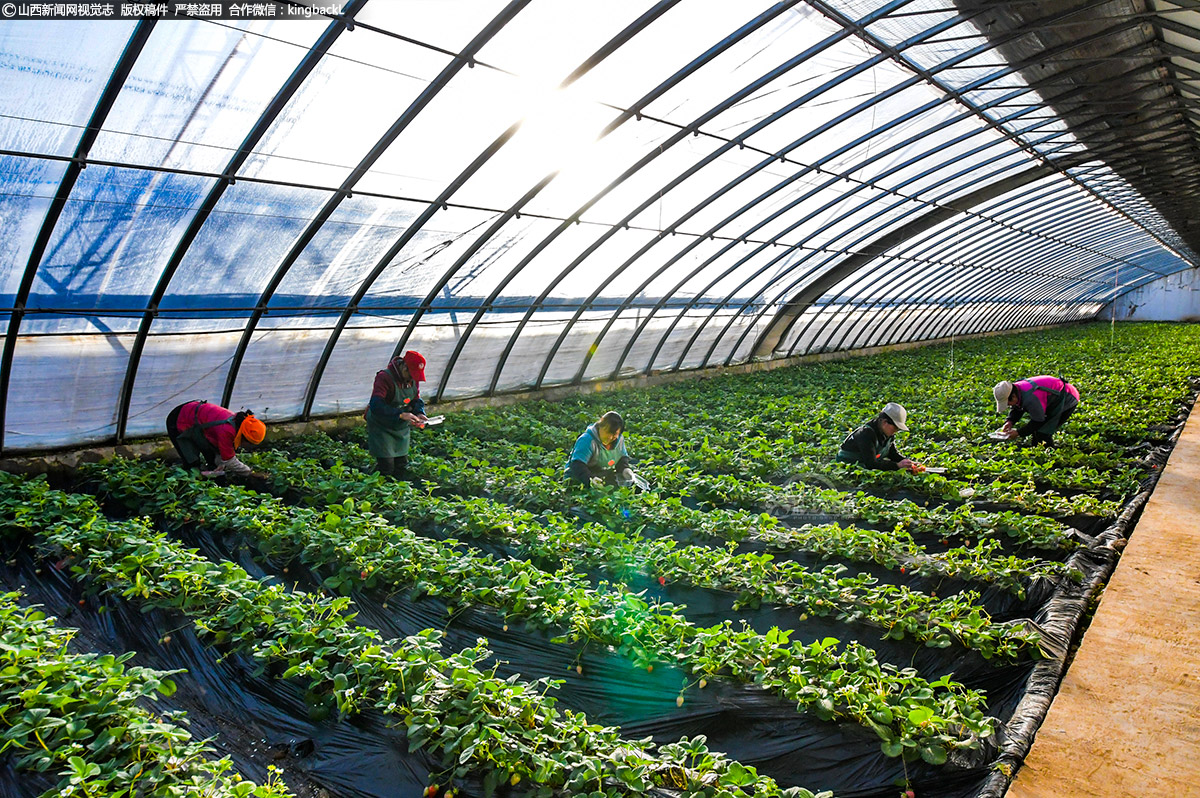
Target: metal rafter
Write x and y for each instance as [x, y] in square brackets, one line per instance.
[989, 225]
[1002, 288]
[958, 95]
[631, 30]
[948, 248]
[780, 155]
[718, 306]
[228, 177]
[874, 253]
[91, 131]
[799, 200]
[795, 307]
[611, 46]
[464, 59]
[658, 91]
[692, 128]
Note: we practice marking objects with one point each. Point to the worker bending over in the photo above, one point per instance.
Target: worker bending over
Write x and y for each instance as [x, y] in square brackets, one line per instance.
[1049, 401]
[873, 445]
[395, 408]
[600, 452]
[207, 436]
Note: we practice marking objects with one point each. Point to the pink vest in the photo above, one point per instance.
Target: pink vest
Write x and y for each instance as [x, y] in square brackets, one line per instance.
[1046, 381]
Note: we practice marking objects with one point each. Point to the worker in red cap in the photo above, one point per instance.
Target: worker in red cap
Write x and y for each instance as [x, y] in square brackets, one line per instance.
[207, 436]
[395, 408]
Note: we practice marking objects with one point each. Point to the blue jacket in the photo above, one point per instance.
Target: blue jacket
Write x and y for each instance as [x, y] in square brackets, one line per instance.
[591, 453]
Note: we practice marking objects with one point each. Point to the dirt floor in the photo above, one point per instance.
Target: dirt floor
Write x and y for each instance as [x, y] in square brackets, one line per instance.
[1126, 720]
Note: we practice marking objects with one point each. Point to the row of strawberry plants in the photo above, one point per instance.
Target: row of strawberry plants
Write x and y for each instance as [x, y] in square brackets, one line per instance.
[1131, 383]
[755, 578]
[465, 468]
[790, 406]
[712, 491]
[720, 452]
[1022, 494]
[357, 548]
[895, 548]
[780, 448]
[504, 729]
[81, 716]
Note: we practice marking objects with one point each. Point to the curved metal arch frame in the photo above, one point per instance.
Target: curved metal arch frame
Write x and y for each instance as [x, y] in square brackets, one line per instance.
[632, 112]
[906, 287]
[1006, 134]
[908, 83]
[816, 166]
[1018, 317]
[928, 278]
[822, 258]
[503, 358]
[562, 337]
[811, 293]
[985, 231]
[538, 302]
[546, 292]
[904, 291]
[898, 330]
[465, 58]
[672, 228]
[228, 175]
[924, 329]
[797, 314]
[112, 88]
[970, 110]
[1014, 316]
[314, 383]
[918, 281]
[775, 239]
[679, 179]
[711, 233]
[800, 244]
[1100, 270]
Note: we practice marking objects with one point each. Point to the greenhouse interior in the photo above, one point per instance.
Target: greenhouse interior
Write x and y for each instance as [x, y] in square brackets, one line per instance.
[471, 398]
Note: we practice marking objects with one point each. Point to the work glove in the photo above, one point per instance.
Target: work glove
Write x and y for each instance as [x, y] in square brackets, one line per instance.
[625, 478]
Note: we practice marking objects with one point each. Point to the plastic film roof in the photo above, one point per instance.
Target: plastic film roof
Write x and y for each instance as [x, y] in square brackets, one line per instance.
[540, 192]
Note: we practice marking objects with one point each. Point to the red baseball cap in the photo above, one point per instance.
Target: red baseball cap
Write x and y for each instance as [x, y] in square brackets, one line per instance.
[415, 364]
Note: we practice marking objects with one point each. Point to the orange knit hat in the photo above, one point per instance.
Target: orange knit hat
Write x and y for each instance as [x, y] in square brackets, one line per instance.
[251, 429]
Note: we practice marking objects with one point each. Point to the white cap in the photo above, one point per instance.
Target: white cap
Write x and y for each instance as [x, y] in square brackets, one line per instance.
[897, 414]
[1002, 391]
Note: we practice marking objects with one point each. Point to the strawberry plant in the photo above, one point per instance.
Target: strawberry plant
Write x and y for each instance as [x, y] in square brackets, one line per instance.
[512, 729]
[83, 717]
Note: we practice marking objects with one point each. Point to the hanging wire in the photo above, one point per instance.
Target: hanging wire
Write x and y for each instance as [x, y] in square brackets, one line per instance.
[957, 260]
[1112, 324]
